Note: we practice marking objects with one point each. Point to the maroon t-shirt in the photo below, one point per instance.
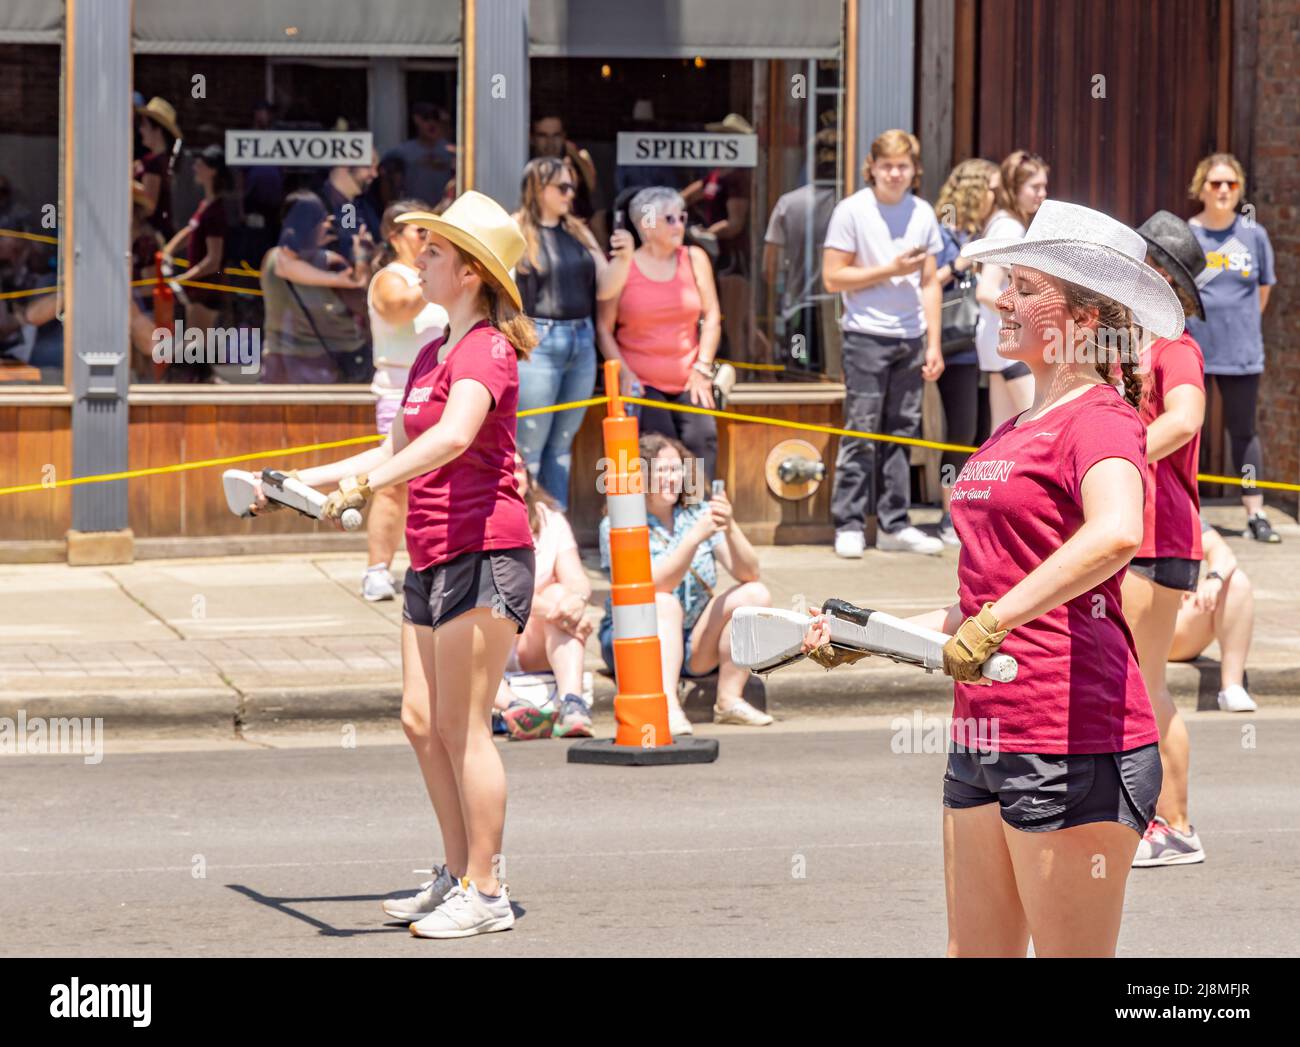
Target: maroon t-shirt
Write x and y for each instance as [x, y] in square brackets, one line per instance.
[471, 504]
[1018, 500]
[208, 221]
[158, 164]
[1171, 523]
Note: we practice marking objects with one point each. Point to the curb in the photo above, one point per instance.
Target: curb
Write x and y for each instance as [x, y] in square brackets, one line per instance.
[847, 691]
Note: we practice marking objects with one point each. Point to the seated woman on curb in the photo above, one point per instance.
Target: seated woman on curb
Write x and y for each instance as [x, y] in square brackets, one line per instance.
[687, 540]
[555, 638]
[1223, 609]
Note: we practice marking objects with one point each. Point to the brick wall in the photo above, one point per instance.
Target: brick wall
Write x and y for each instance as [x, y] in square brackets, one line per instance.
[1276, 192]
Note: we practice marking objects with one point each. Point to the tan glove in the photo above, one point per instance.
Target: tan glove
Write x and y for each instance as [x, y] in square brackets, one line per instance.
[971, 646]
[353, 493]
[829, 656]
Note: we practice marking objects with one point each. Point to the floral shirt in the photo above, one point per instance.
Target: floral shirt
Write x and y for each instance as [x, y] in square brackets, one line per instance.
[689, 592]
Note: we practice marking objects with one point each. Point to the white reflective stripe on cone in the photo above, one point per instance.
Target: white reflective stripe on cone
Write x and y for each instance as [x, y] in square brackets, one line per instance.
[626, 510]
[635, 621]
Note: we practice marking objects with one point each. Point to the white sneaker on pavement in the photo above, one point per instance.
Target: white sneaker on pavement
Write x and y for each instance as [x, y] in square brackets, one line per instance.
[410, 906]
[378, 584]
[677, 722]
[908, 540]
[465, 913]
[741, 712]
[851, 545]
[1236, 699]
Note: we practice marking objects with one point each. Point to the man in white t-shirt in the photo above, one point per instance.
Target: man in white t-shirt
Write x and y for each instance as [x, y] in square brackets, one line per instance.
[879, 255]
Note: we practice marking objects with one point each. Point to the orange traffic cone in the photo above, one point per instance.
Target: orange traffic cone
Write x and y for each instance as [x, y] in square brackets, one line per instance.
[640, 706]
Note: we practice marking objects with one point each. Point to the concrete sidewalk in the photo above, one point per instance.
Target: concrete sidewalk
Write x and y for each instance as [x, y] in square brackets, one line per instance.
[239, 641]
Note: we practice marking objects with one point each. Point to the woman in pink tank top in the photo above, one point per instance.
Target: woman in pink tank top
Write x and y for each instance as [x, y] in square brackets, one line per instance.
[664, 324]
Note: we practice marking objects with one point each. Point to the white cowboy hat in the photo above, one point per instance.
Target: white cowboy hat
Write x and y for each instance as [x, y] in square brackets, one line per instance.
[1095, 251]
[480, 226]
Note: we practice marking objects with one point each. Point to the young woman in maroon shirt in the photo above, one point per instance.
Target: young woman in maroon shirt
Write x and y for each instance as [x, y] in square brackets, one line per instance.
[1169, 563]
[469, 589]
[1052, 778]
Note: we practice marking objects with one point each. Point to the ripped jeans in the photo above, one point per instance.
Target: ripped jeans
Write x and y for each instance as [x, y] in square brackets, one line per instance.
[562, 368]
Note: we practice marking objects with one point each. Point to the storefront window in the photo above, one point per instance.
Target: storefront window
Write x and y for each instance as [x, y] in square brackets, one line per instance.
[268, 251]
[31, 332]
[752, 146]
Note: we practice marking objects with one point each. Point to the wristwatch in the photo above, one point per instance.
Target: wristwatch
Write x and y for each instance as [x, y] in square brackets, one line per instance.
[707, 369]
[1213, 574]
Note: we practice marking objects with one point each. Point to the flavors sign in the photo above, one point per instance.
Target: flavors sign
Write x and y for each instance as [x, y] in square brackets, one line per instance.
[299, 148]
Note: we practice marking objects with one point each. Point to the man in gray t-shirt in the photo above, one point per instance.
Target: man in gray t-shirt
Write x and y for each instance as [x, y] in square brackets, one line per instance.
[879, 254]
[428, 161]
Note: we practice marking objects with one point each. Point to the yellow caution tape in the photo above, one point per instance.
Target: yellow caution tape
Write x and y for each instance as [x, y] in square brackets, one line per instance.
[805, 426]
[27, 294]
[283, 452]
[29, 236]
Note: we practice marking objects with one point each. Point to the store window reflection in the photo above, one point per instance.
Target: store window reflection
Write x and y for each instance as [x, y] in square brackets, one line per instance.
[752, 146]
[267, 252]
[31, 331]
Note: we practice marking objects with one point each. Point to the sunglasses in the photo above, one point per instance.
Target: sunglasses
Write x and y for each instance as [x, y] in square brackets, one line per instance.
[1224, 184]
[567, 188]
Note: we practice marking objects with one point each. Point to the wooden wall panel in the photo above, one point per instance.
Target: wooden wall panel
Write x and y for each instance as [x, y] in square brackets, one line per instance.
[32, 438]
[1131, 152]
[191, 503]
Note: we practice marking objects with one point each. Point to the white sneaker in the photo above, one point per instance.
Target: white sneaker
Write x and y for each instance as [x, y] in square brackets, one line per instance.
[378, 585]
[741, 712]
[908, 540]
[1236, 699]
[677, 722]
[851, 545]
[410, 906]
[465, 913]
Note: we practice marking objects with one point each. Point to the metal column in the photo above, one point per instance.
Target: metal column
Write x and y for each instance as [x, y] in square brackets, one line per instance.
[499, 67]
[885, 50]
[96, 241]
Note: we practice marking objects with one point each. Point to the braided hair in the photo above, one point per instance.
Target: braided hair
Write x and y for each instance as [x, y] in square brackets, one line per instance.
[1114, 324]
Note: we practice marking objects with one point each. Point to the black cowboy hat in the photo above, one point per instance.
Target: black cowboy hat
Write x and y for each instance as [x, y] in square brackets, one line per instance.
[1173, 246]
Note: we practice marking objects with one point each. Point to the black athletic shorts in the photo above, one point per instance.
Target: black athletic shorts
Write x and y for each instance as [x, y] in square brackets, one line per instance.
[1172, 572]
[1040, 793]
[500, 578]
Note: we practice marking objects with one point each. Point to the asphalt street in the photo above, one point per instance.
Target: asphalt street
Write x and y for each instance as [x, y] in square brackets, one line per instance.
[813, 838]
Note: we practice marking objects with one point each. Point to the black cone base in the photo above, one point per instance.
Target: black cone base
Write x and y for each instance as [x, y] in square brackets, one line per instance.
[688, 749]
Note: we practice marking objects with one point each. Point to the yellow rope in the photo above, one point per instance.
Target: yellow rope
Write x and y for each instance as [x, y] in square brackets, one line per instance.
[29, 236]
[284, 452]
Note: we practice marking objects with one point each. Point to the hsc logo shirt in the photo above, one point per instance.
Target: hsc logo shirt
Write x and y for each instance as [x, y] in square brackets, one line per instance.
[1015, 503]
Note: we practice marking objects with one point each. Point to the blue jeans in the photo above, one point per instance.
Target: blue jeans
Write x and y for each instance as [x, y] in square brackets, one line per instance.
[562, 368]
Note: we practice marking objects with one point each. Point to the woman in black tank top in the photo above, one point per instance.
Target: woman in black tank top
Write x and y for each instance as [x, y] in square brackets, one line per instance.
[561, 276]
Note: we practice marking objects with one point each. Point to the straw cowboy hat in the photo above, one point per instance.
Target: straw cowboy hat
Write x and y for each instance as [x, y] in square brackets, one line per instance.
[162, 113]
[480, 227]
[1095, 251]
[732, 123]
[1173, 246]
